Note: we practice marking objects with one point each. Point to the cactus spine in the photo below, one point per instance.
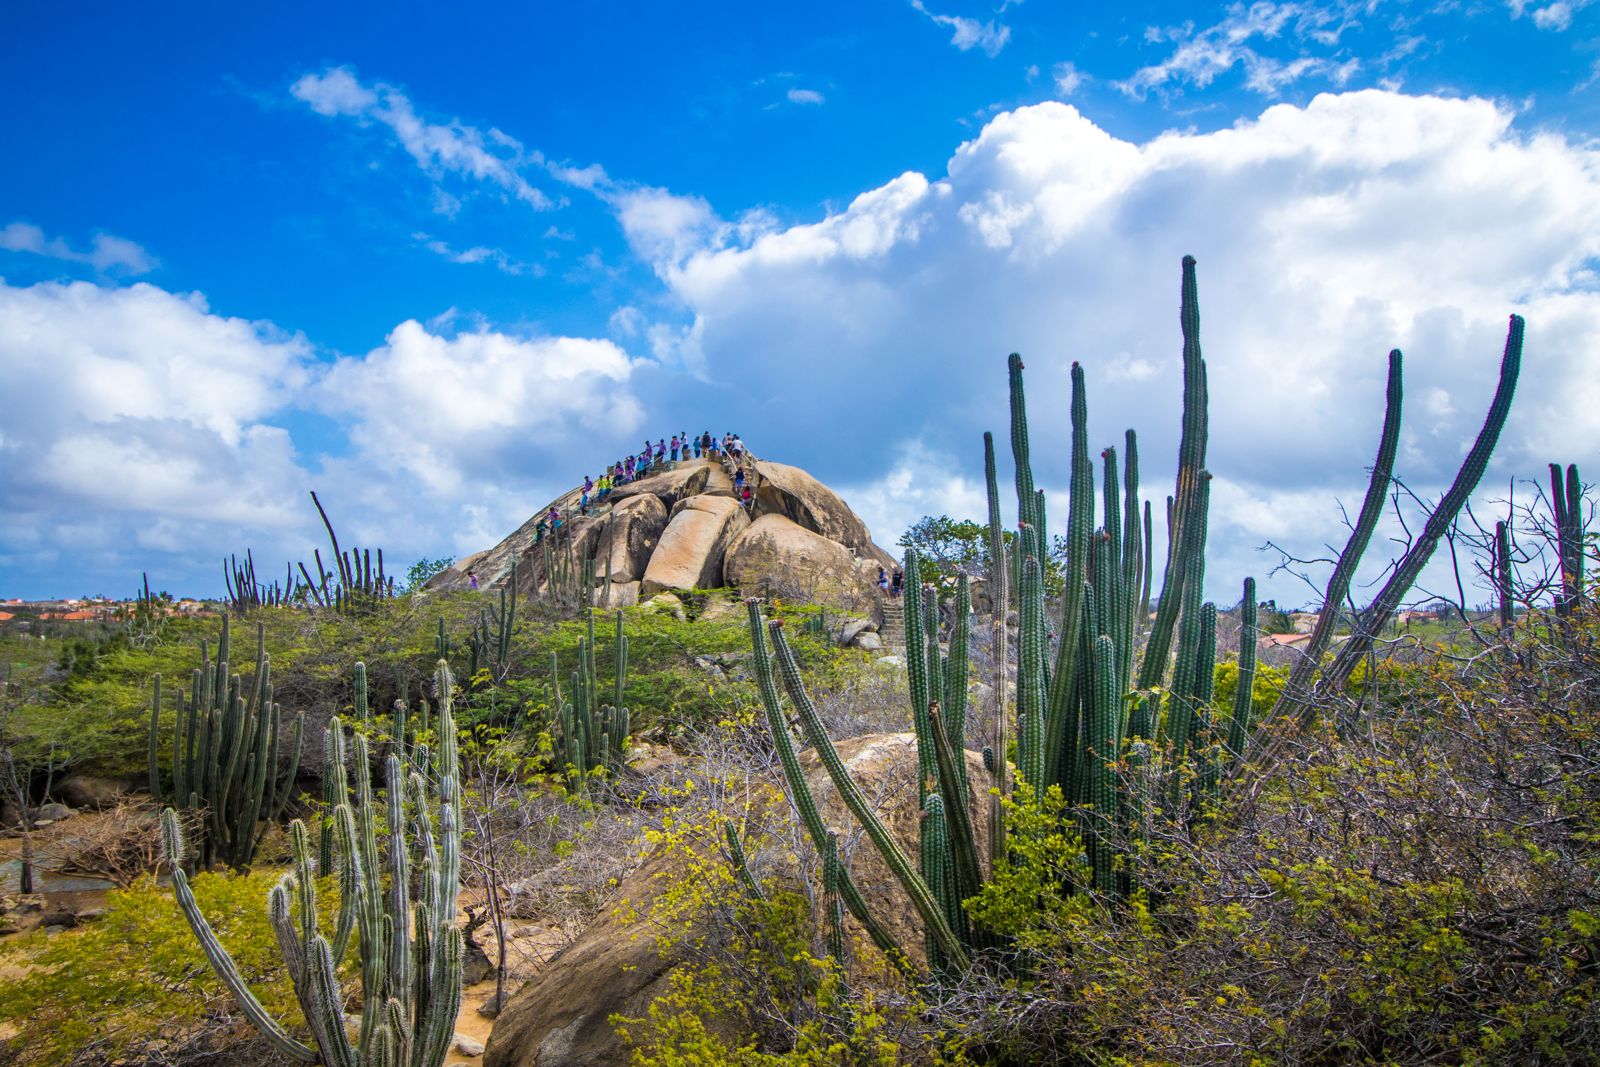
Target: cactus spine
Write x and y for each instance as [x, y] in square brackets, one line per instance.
[410, 949]
[225, 754]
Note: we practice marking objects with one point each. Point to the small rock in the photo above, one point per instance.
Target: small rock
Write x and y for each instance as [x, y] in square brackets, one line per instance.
[468, 1046]
[87, 791]
[51, 813]
[889, 661]
[869, 641]
[855, 628]
[490, 1006]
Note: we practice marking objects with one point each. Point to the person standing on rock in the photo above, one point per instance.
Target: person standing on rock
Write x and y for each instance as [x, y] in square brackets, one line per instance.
[709, 444]
[899, 583]
[738, 479]
[472, 580]
[674, 448]
[746, 499]
[883, 581]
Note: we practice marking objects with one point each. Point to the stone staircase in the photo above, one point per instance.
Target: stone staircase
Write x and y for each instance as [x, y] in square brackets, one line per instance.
[893, 631]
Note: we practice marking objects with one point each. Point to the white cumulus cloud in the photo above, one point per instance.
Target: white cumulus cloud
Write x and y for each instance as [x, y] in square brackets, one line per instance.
[1326, 235]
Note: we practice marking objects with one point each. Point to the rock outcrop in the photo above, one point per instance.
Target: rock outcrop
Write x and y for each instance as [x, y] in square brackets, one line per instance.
[693, 546]
[561, 1017]
[684, 528]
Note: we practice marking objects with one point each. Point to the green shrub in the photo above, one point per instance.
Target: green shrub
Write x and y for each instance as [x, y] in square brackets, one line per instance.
[133, 983]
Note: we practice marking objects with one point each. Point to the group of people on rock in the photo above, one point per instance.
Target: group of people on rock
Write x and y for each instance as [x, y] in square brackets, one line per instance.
[651, 458]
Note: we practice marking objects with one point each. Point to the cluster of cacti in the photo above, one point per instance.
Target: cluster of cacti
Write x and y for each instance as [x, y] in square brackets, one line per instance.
[410, 948]
[1567, 503]
[588, 735]
[246, 593]
[225, 754]
[358, 583]
[1114, 697]
[568, 583]
[358, 580]
[490, 641]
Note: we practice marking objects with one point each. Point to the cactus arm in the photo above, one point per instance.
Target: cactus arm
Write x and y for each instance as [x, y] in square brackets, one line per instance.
[800, 792]
[218, 956]
[1295, 701]
[921, 896]
[961, 842]
[1030, 678]
[998, 639]
[1080, 526]
[1371, 620]
[1191, 462]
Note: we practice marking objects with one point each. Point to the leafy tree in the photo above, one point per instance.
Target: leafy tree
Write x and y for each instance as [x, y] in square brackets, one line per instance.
[426, 568]
[949, 547]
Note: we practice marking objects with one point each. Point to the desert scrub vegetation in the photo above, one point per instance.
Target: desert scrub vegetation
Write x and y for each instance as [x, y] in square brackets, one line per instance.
[133, 986]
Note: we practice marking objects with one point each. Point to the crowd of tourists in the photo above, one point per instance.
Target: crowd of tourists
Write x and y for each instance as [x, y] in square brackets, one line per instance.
[652, 459]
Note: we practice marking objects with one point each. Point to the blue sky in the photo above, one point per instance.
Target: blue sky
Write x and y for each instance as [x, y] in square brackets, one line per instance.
[438, 264]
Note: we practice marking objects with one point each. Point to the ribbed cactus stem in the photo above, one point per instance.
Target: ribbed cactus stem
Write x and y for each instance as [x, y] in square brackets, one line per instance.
[999, 681]
[1030, 677]
[899, 864]
[1060, 713]
[1185, 503]
[1295, 702]
[1239, 725]
[1502, 575]
[800, 795]
[1370, 621]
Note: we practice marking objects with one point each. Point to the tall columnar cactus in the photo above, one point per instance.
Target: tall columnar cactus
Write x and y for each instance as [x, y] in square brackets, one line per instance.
[1239, 722]
[1296, 699]
[1122, 694]
[1567, 502]
[589, 735]
[225, 754]
[490, 643]
[1369, 622]
[1000, 682]
[800, 795]
[410, 948]
[1502, 575]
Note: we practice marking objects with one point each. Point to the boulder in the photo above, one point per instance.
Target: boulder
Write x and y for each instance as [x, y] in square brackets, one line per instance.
[628, 536]
[869, 641]
[468, 1046]
[791, 492]
[560, 1017]
[684, 480]
[47, 813]
[691, 550]
[855, 628]
[778, 555]
[623, 594]
[86, 791]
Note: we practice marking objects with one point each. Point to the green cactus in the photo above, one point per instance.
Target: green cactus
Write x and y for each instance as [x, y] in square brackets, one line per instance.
[1567, 503]
[805, 804]
[1239, 724]
[1296, 699]
[1502, 575]
[1369, 622]
[410, 949]
[740, 864]
[590, 736]
[225, 754]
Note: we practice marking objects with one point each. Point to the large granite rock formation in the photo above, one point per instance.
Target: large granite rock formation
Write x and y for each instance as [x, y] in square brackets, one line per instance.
[683, 529]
